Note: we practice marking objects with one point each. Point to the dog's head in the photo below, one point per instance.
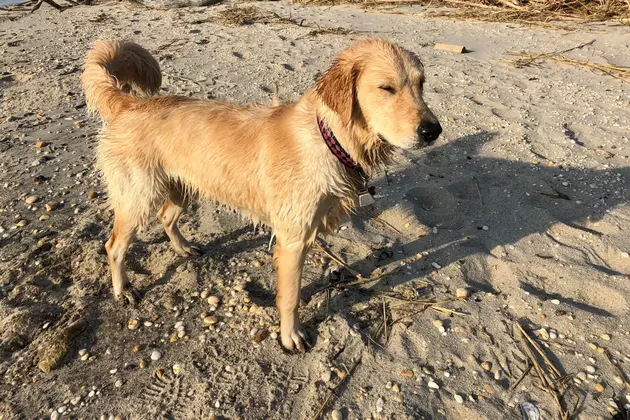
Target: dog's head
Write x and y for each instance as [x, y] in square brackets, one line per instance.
[378, 85]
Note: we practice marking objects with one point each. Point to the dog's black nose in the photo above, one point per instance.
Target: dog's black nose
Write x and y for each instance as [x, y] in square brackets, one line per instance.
[430, 130]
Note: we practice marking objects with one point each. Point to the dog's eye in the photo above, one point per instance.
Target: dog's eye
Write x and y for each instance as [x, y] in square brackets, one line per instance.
[388, 89]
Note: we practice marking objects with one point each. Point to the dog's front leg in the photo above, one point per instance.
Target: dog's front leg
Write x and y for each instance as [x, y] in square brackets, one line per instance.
[288, 259]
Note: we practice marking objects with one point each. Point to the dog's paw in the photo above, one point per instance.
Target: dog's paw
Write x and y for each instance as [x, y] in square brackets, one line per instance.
[129, 296]
[295, 340]
[187, 249]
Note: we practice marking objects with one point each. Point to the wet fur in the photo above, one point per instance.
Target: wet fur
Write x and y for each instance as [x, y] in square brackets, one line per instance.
[158, 153]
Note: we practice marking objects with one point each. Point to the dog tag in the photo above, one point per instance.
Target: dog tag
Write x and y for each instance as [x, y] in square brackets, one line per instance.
[365, 197]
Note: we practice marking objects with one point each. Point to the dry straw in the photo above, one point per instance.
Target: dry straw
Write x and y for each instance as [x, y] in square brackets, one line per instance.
[536, 12]
[528, 58]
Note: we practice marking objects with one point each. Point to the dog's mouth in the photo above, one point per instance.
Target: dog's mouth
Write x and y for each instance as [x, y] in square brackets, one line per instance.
[417, 145]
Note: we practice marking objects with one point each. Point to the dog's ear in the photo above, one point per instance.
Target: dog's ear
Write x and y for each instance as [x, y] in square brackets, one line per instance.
[337, 87]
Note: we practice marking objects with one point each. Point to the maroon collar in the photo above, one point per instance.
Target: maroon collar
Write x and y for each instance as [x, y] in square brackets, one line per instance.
[336, 149]
[333, 145]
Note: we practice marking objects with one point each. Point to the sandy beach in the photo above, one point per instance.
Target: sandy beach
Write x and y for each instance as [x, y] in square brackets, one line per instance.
[518, 217]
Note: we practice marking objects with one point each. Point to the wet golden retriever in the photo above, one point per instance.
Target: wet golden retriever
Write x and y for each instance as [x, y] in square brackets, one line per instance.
[297, 168]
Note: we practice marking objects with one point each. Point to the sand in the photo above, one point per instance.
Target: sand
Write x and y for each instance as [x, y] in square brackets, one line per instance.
[523, 202]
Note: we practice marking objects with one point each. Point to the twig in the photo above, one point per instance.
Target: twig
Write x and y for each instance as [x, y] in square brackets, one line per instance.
[529, 58]
[546, 382]
[385, 320]
[183, 78]
[509, 4]
[333, 391]
[539, 350]
[478, 190]
[387, 224]
[50, 2]
[471, 4]
[320, 248]
[523, 375]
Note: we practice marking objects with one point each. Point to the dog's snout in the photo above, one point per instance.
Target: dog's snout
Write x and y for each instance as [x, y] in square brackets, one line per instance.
[429, 131]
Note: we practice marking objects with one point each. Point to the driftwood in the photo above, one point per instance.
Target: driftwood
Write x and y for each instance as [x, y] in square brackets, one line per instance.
[50, 2]
[459, 49]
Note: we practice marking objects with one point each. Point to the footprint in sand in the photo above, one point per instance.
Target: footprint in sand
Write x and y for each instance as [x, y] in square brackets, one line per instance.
[447, 207]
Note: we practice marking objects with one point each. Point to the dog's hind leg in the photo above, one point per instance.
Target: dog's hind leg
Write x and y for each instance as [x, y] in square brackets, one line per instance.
[169, 214]
[125, 229]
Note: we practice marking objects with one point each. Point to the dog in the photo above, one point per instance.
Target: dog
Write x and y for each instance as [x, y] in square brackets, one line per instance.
[299, 167]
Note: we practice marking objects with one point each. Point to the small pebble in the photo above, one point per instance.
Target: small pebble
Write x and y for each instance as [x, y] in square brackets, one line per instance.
[156, 355]
[542, 333]
[486, 366]
[462, 293]
[133, 324]
[555, 301]
[581, 376]
[260, 336]
[380, 405]
[591, 369]
[428, 370]
[214, 300]
[396, 388]
[458, 398]
[327, 375]
[605, 337]
[118, 383]
[336, 415]
[599, 388]
[433, 385]
[177, 369]
[211, 320]
[31, 199]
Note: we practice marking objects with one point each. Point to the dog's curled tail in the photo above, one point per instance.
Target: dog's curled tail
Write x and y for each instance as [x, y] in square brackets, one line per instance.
[114, 68]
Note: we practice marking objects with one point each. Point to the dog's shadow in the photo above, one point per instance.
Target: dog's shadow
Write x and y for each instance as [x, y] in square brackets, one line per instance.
[480, 203]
